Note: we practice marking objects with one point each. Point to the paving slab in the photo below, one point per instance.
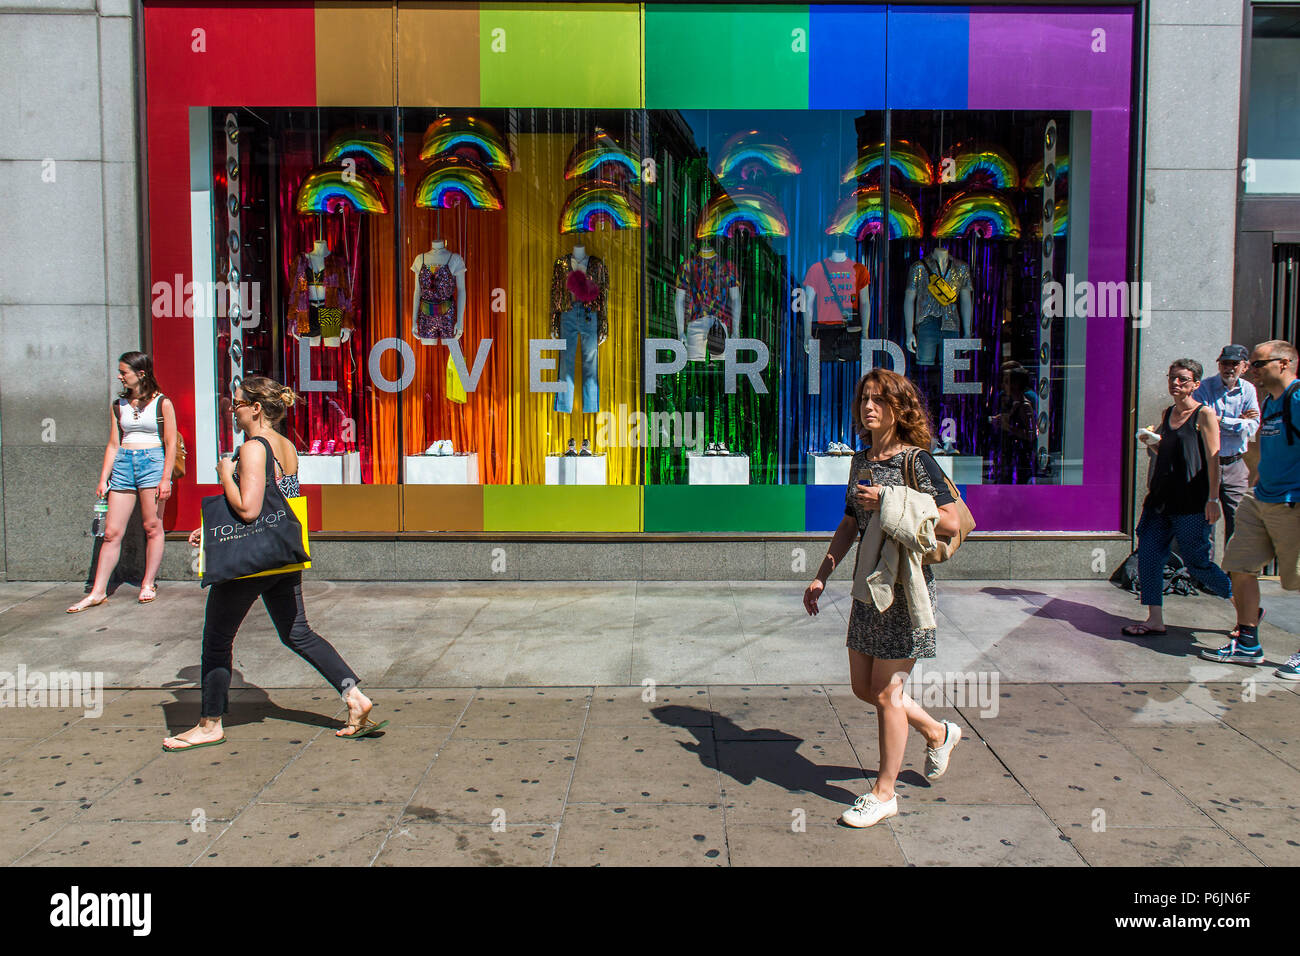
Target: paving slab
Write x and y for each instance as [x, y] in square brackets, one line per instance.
[1159, 846]
[451, 844]
[642, 835]
[667, 764]
[982, 836]
[553, 713]
[27, 823]
[268, 834]
[768, 781]
[122, 844]
[506, 782]
[813, 844]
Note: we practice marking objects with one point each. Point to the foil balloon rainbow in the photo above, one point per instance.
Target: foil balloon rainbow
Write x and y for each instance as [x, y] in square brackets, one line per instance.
[1034, 178]
[742, 210]
[1060, 220]
[597, 202]
[977, 213]
[328, 190]
[458, 181]
[909, 160]
[377, 147]
[750, 153]
[862, 214]
[990, 166]
[600, 155]
[454, 133]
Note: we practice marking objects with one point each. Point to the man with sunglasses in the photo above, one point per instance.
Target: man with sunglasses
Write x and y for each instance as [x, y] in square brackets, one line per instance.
[1268, 519]
[1235, 403]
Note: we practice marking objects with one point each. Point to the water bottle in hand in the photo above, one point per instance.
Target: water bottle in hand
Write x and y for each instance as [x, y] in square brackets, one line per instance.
[101, 517]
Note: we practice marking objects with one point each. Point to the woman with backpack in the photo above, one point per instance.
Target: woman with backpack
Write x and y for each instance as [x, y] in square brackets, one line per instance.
[884, 645]
[1182, 498]
[138, 463]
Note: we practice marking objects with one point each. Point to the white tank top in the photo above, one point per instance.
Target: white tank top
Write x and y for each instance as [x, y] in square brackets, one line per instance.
[141, 431]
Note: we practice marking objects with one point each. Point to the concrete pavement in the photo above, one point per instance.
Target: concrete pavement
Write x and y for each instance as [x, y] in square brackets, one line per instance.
[635, 723]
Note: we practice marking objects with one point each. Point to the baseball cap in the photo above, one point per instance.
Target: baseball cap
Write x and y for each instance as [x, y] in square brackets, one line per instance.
[1234, 353]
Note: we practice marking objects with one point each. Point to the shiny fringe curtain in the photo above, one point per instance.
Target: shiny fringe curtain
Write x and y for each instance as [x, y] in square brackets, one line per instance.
[746, 421]
[337, 414]
[479, 236]
[535, 194]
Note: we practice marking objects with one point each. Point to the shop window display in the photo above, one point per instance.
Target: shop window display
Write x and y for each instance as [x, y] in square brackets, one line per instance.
[970, 310]
[302, 204]
[757, 260]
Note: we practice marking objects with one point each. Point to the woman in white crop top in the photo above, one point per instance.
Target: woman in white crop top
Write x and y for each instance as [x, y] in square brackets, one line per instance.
[138, 463]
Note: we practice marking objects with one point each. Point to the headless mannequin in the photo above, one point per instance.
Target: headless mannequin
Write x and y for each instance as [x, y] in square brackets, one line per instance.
[437, 256]
[578, 261]
[316, 294]
[965, 304]
[810, 302]
[679, 306]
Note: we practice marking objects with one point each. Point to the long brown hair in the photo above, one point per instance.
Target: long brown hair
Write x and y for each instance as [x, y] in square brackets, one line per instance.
[912, 421]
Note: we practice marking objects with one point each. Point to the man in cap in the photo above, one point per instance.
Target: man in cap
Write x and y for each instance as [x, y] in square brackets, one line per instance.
[1236, 403]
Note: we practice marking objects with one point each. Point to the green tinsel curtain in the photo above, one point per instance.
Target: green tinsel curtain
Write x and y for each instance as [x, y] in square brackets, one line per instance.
[747, 422]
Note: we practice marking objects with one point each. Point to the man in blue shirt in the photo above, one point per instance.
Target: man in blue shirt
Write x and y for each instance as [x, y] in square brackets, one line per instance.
[1235, 402]
[1268, 521]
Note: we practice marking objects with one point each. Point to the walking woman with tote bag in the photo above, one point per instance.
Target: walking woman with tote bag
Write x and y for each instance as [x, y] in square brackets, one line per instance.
[266, 455]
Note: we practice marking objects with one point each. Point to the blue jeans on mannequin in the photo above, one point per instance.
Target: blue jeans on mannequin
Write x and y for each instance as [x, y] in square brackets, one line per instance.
[577, 323]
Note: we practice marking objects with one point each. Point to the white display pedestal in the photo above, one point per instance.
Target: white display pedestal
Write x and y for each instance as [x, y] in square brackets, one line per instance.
[717, 469]
[441, 469]
[576, 470]
[962, 469]
[342, 469]
[830, 469]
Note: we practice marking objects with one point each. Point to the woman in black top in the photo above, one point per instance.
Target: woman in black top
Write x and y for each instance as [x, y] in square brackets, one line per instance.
[1182, 499]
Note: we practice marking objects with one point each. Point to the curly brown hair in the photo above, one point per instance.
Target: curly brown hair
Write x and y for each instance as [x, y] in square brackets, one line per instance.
[912, 420]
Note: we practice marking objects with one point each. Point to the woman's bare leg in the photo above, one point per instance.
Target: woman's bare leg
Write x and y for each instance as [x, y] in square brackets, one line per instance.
[120, 506]
[892, 706]
[153, 529]
[860, 669]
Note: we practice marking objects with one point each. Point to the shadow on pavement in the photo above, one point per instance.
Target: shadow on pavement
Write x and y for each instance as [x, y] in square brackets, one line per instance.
[1096, 622]
[252, 706]
[778, 762]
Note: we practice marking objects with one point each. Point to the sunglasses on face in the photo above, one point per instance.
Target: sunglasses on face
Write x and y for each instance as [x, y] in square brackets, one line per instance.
[1175, 380]
[237, 403]
[1260, 363]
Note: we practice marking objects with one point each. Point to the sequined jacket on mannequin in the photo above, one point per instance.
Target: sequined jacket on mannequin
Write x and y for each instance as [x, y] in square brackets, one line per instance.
[562, 298]
[337, 293]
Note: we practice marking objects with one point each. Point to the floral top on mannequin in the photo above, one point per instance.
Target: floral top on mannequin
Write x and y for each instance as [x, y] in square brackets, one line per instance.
[438, 305]
[320, 300]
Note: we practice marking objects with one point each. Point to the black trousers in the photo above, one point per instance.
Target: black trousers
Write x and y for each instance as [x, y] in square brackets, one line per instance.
[229, 604]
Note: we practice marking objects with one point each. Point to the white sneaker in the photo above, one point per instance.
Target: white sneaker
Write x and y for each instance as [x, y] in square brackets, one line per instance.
[434, 448]
[936, 758]
[869, 810]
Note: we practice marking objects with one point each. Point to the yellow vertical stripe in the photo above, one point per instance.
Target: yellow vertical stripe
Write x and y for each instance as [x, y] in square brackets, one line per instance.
[535, 194]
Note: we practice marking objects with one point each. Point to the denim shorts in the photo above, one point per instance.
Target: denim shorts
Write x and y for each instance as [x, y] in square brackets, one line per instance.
[137, 468]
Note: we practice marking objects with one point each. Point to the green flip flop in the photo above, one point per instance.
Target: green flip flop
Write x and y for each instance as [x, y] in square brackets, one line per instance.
[365, 730]
[178, 750]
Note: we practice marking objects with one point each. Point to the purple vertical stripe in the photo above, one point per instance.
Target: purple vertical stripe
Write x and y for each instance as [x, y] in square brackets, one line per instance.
[1034, 59]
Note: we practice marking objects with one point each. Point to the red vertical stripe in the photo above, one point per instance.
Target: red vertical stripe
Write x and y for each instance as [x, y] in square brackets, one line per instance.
[206, 56]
